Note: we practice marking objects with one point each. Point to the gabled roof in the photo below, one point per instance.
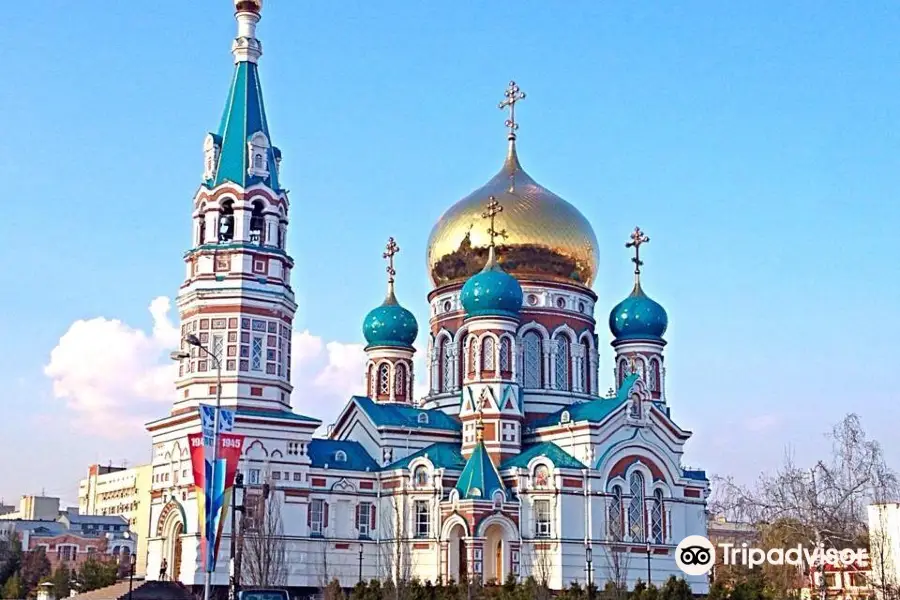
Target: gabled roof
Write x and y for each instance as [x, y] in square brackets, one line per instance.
[292, 416]
[78, 519]
[479, 479]
[325, 452]
[443, 455]
[559, 457]
[594, 410]
[695, 474]
[244, 116]
[405, 416]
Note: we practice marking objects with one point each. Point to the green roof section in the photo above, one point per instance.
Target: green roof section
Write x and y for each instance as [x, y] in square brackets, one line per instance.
[594, 411]
[268, 414]
[479, 479]
[395, 414]
[341, 455]
[244, 115]
[443, 455]
[559, 457]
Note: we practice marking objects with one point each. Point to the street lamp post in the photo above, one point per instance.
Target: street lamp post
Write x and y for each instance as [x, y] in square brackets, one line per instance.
[235, 535]
[193, 340]
[589, 558]
[360, 562]
[132, 560]
[648, 562]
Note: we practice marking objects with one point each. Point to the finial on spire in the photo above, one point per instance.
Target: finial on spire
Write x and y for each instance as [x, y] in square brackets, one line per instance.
[494, 208]
[246, 48]
[389, 251]
[638, 238]
[479, 426]
[512, 95]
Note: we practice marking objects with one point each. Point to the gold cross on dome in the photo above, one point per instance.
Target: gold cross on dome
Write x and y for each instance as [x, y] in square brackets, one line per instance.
[390, 250]
[512, 95]
[494, 208]
[638, 238]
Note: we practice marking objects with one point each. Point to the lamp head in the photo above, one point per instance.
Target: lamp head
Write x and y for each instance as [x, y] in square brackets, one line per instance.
[179, 354]
[192, 340]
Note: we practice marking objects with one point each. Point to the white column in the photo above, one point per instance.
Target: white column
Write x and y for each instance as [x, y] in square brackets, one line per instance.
[212, 226]
[393, 382]
[242, 224]
[548, 376]
[270, 230]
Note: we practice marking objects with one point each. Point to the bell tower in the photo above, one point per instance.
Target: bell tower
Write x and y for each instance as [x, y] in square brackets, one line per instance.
[236, 297]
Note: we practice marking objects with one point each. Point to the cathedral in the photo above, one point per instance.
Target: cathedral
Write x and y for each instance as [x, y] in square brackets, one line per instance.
[513, 464]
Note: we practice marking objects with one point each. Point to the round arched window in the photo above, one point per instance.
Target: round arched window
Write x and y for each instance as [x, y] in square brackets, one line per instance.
[541, 476]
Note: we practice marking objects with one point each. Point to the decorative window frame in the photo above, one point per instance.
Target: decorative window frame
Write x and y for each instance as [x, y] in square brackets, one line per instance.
[258, 146]
[211, 151]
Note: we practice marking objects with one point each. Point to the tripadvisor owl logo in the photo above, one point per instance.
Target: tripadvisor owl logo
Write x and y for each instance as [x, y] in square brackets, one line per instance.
[695, 555]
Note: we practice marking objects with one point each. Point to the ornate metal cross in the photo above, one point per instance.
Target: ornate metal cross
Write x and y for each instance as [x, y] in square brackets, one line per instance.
[390, 250]
[513, 95]
[493, 209]
[638, 238]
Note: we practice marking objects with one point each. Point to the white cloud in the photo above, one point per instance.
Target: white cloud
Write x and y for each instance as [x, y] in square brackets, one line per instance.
[114, 377]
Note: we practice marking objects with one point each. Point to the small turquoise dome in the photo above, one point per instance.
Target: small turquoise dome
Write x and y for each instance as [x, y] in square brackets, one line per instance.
[638, 317]
[492, 292]
[390, 325]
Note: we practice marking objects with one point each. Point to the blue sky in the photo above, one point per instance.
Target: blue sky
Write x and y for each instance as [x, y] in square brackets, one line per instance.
[756, 144]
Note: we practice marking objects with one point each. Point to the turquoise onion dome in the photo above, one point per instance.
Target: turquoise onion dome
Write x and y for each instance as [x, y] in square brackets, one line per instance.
[492, 292]
[638, 317]
[390, 324]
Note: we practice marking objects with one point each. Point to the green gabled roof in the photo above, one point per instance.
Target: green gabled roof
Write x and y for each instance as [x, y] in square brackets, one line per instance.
[402, 415]
[558, 456]
[244, 115]
[595, 410]
[479, 479]
[443, 455]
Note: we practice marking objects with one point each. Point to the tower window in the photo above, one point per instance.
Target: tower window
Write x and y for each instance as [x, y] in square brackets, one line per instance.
[256, 355]
[656, 517]
[258, 147]
[636, 508]
[614, 522]
[487, 354]
[226, 222]
[505, 352]
[257, 224]
[384, 380]
[400, 380]
[423, 519]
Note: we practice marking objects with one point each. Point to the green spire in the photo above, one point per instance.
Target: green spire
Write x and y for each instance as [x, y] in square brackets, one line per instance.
[242, 146]
[479, 479]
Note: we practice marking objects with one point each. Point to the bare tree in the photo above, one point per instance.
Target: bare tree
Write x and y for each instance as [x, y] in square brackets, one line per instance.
[883, 563]
[537, 556]
[617, 561]
[823, 505]
[396, 558]
[264, 559]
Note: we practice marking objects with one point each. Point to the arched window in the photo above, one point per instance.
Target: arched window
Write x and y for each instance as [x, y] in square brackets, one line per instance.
[447, 366]
[400, 380]
[487, 354]
[653, 380]
[201, 234]
[505, 353]
[656, 517]
[622, 371]
[585, 367]
[226, 221]
[562, 363]
[615, 522]
[258, 161]
[257, 224]
[384, 379]
[636, 508]
[280, 236]
[531, 360]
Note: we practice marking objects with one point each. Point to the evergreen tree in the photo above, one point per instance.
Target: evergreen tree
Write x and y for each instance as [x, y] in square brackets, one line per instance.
[717, 591]
[10, 556]
[95, 574]
[334, 591]
[676, 589]
[639, 589]
[62, 581]
[651, 593]
[13, 587]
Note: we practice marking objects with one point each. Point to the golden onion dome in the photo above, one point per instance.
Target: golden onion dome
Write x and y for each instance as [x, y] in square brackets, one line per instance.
[546, 237]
